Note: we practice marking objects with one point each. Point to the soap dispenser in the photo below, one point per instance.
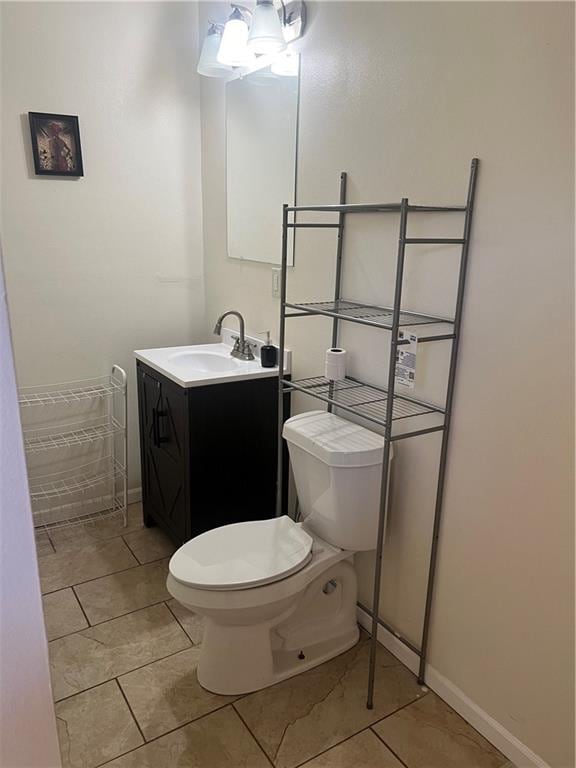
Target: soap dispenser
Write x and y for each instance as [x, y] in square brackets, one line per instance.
[268, 353]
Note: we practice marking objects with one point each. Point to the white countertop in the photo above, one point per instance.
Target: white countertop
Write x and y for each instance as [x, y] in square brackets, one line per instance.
[198, 365]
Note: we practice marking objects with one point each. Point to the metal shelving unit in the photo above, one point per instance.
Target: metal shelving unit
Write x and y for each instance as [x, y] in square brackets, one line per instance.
[94, 489]
[382, 406]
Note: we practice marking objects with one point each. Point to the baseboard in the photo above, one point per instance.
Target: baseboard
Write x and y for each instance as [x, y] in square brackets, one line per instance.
[134, 495]
[521, 755]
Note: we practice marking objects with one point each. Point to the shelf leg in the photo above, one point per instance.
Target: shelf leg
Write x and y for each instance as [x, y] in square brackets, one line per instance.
[338, 278]
[384, 501]
[281, 345]
[447, 422]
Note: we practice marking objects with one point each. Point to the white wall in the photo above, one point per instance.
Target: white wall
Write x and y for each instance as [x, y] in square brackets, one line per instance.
[27, 722]
[402, 96]
[112, 262]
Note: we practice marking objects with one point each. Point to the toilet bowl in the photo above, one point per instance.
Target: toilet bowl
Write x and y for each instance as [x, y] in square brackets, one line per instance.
[279, 597]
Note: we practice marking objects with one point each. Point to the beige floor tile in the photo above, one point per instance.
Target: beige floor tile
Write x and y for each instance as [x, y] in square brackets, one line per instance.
[100, 653]
[305, 715]
[167, 694]
[73, 566]
[192, 623]
[219, 740]
[123, 592]
[429, 734]
[62, 614]
[95, 726]
[43, 544]
[149, 544]
[99, 530]
[365, 750]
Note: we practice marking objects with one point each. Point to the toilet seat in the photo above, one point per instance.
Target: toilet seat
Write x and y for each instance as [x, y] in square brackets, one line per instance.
[242, 555]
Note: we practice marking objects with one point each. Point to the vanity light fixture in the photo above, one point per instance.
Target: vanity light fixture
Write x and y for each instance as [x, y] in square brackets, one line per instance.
[234, 51]
[208, 64]
[249, 41]
[266, 35]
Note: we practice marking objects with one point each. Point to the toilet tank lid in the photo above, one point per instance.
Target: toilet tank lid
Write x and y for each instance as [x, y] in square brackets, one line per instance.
[335, 441]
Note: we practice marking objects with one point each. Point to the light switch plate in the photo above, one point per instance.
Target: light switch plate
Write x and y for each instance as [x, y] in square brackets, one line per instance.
[276, 278]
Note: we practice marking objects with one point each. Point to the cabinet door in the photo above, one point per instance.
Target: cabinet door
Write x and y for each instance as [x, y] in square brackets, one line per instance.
[163, 426]
[233, 449]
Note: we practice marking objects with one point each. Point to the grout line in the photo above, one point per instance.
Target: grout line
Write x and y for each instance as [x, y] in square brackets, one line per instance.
[101, 682]
[121, 615]
[105, 575]
[260, 747]
[196, 645]
[105, 621]
[352, 735]
[140, 731]
[112, 573]
[188, 722]
[52, 548]
[72, 543]
[130, 548]
[399, 709]
[396, 755]
[173, 730]
[83, 613]
[332, 746]
[367, 728]
[134, 553]
[50, 540]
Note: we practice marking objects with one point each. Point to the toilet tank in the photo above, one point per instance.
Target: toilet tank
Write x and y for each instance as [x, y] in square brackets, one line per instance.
[337, 468]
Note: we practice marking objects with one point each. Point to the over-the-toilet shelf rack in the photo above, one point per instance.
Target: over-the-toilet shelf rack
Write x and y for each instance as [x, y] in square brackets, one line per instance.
[90, 490]
[382, 406]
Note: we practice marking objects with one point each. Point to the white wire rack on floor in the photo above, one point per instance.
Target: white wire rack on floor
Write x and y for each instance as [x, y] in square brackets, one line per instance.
[67, 435]
[95, 488]
[73, 391]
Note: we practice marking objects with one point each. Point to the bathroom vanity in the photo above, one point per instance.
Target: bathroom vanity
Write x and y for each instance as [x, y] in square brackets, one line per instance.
[208, 438]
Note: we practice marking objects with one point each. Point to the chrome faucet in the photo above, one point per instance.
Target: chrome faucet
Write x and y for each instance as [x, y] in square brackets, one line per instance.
[241, 348]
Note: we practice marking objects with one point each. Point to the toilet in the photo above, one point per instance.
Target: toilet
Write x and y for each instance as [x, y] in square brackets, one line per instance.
[279, 596]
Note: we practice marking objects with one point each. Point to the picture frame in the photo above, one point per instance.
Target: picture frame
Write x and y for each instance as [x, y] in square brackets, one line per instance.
[56, 146]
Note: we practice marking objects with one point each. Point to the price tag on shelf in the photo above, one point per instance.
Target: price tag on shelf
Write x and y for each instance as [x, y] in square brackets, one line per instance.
[406, 359]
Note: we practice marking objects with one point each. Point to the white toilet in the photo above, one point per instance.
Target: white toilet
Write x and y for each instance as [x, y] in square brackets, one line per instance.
[279, 597]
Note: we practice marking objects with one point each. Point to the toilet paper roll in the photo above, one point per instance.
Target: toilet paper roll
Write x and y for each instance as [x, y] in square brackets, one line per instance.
[335, 364]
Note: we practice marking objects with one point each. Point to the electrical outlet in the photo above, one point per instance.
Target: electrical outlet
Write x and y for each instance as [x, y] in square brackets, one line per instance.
[276, 277]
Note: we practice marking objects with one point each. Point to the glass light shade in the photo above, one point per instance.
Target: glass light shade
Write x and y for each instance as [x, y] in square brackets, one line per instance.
[233, 50]
[266, 34]
[208, 64]
[286, 64]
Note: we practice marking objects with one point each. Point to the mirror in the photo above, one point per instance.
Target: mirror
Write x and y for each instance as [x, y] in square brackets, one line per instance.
[261, 140]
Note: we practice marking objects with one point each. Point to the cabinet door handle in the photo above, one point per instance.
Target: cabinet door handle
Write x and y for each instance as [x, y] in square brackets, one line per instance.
[156, 438]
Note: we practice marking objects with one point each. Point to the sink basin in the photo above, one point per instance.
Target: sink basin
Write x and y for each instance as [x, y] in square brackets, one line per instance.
[204, 362]
[200, 364]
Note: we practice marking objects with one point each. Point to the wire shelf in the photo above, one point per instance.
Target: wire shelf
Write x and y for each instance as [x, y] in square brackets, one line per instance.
[365, 400]
[366, 314]
[110, 507]
[70, 392]
[78, 480]
[402, 416]
[95, 489]
[70, 435]
[376, 208]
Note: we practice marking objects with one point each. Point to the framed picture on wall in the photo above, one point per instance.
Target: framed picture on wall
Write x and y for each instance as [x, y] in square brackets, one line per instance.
[56, 144]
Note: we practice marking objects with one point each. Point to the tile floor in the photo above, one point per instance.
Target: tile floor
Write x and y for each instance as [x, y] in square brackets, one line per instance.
[123, 656]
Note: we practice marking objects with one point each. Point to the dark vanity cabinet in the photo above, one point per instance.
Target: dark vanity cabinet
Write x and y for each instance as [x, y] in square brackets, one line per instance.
[208, 453]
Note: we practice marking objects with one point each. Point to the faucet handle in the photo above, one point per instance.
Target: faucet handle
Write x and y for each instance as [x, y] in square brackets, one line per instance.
[247, 350]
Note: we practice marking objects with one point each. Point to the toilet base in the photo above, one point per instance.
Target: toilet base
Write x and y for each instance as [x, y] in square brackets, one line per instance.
[238, 659]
